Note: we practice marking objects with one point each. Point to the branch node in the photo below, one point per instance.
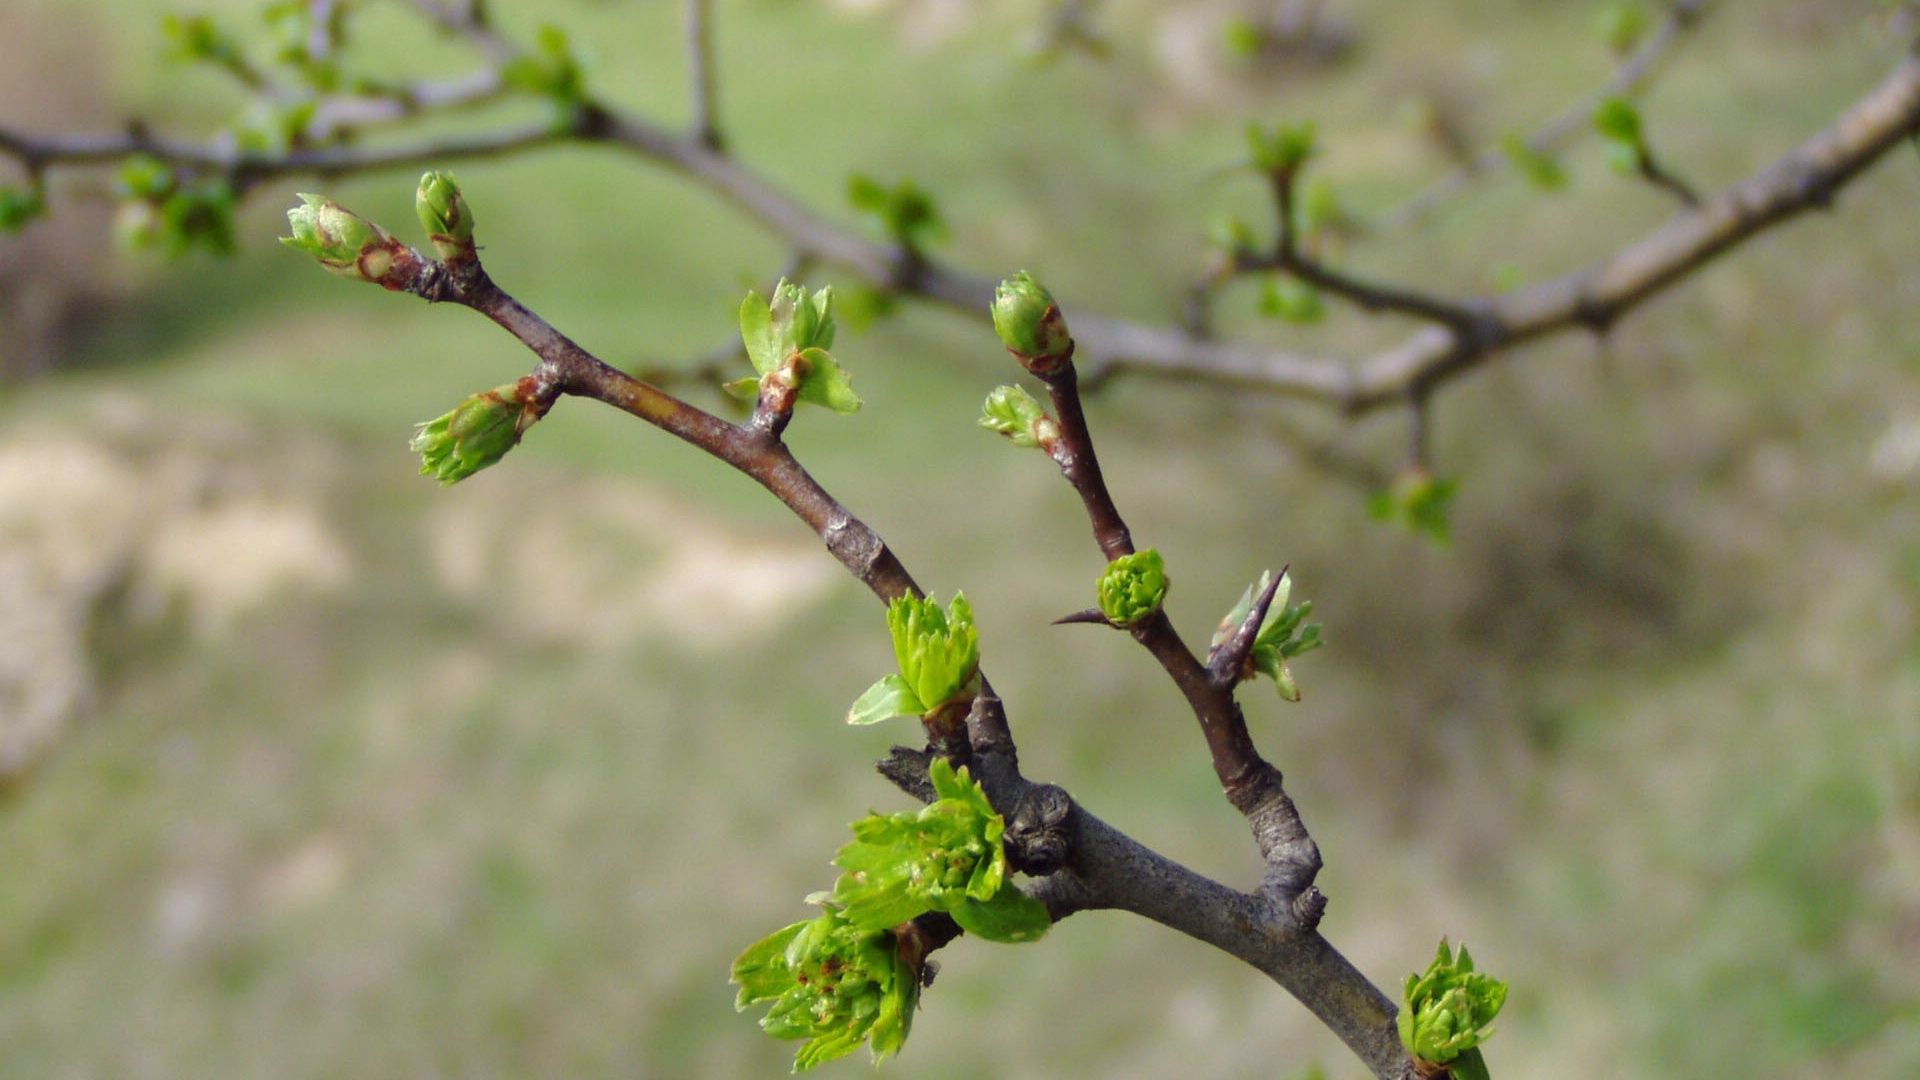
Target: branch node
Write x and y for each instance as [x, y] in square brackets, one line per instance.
[1039, 836]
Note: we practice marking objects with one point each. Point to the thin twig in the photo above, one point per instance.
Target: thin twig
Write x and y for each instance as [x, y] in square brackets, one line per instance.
[700, 74]
[1628, 79]
[1805, 178]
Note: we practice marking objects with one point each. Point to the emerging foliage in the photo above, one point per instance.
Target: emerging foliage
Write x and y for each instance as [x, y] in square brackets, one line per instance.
[787, 339]
[833, 985]
[938, 654]
[475, 434]
[1448, 1013]
[946, 857]
[1133, 587]
[1013, 412]
[850, 975]
[904, 210]
[1283, 635]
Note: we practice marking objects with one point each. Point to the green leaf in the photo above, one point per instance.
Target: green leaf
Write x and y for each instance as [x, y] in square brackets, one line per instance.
[1010, 917]
[1420, 503]
[747, 389]
[884, 700]
[757, 333]
[761, 970]
[825, 383]
[1621, 25]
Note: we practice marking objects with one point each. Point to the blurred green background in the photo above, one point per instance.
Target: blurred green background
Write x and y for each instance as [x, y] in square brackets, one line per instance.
[315, 769]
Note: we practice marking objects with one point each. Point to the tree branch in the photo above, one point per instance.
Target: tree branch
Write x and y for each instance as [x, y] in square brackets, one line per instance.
[1627, 80]
[1251, 783]
[1098, 866]
[1806, 178]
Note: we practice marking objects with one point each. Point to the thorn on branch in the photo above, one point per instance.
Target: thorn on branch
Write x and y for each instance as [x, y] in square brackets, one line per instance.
[1228, 663]
[1092, 615]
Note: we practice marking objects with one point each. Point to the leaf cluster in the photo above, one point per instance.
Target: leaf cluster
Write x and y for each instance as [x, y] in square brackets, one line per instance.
[1418, 502]
[1281, 150]
[1448, 1011]
[833, 985]
[938, 656]
[787, 339]
[1133, 587]
[848, 976]
[945, 857]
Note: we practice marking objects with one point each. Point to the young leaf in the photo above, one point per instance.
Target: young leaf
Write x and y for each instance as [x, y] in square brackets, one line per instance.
[757, 333]
[1010, 917]
[884, 700]
[826, 383]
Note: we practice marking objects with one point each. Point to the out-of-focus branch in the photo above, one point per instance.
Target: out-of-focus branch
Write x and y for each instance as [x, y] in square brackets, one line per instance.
[1627, 80]
[700, 73]
[1808, 177]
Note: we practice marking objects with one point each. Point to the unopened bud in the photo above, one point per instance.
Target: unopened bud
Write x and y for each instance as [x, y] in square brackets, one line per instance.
[1013, 412]
[1133, 587]
[444, 214]
[1030, 324]
[343, 241]
[478, 432]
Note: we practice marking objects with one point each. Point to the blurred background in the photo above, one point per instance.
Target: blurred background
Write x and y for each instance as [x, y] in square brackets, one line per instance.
[311, 768]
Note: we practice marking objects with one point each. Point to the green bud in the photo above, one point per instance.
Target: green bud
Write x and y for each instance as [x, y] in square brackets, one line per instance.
[1621, 25]
[444, 214]
[1293, 301]
[1447, 1011]
[343, 241]
[1618, 120]
[1418, 502]
[18, 206]
[478, 432]
[1283, 149]
[938, 652]
[1133, 587]
[1013, 412]
[1030, 324]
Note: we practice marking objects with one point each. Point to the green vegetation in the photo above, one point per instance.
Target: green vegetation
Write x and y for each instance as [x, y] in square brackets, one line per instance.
[1645, 730]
